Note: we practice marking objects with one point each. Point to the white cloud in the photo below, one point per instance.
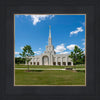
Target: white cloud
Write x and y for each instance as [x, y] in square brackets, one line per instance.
[39, 48]
[17, 56]
[83, 23]
[83, 40]
[38, 18]
[64, 52]
[16, 53]
[26, 15]
[52, 16]
[60, 48]
[83, 43]
[37, 52]
[83, 48]
[21, 48]
[78, 29]
[71, 47]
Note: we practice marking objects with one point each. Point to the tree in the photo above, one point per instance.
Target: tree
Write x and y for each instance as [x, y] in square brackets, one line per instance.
[27, 53]
[19, 60]
[77, 56]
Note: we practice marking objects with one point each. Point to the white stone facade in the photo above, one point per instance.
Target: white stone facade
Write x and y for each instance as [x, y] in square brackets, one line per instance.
[49, 57]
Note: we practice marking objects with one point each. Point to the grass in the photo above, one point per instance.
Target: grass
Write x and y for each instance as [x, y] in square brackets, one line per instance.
[46, 67]
[49, 77]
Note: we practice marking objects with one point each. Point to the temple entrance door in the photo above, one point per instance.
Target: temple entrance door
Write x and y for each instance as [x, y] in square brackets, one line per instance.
[45, 60]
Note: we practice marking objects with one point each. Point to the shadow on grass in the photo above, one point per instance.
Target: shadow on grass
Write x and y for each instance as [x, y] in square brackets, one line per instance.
[34, 70]
[37, 70]
[81, 71]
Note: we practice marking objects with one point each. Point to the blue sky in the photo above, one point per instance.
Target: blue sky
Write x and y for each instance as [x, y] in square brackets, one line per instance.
[66, 31]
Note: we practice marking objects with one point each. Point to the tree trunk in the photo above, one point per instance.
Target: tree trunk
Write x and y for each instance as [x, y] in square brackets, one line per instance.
[28, 67]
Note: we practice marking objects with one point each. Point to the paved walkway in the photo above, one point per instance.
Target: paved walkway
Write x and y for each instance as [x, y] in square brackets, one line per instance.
[78, 68]
[47, 69]
[37, 69]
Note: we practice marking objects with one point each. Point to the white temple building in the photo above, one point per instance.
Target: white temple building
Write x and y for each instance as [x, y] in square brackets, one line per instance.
[49, 57]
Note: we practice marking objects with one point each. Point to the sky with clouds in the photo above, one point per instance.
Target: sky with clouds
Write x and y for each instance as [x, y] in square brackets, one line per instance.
[66, 31]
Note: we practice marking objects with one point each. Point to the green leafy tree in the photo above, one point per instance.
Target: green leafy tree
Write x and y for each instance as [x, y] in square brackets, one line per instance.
[19, 60]
[77, 56]
[27, 53]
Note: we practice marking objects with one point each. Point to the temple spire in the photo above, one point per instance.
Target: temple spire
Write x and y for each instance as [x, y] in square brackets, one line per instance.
[49, 31]
[49, 40]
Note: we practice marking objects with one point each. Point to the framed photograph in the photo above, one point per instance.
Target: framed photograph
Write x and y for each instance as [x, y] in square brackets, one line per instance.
[62, 61]
[49, 50]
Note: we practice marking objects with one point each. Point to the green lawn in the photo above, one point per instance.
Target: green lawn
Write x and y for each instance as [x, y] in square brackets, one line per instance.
[47, 67]
[49, 77]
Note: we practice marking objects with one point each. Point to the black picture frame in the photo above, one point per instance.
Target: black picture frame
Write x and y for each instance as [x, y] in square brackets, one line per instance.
[11, 92]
